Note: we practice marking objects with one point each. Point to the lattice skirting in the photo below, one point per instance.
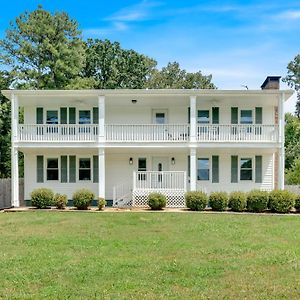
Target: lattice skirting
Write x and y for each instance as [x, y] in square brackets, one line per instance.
[175, 198]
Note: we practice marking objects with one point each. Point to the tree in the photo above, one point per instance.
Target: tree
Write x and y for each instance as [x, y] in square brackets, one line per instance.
[109, 66]
[292, 175]
[43, 50]
[293, 80]
[173, 77]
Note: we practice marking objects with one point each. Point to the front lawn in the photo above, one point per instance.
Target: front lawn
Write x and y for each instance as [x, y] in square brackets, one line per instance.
[52, 255]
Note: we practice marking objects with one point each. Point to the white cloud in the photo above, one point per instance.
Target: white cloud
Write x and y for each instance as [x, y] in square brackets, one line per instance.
[289, 15]
[110, 29]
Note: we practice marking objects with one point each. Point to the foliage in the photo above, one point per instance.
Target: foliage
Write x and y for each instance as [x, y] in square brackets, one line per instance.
[43, 50]
[218, 201]
[83, 198]
[60, 201]
[292, 175]
[42, 198]
[101, 203]
[281, 201]
[157, 201]
[297, 202]
[237, 201]
[196, 200]
[257, 200]
[173, 77]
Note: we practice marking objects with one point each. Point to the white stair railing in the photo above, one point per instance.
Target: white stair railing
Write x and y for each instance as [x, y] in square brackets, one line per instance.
[122, 195]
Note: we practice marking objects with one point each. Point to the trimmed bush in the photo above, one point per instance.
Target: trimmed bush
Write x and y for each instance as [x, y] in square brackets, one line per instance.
[82, 199]
[297, 202]
[157, 201]
[42, 198]
[101, 203]
[196, 200]
[281, 201]
[60, 201]
[237, 201]
[257, 200]
[218, 201]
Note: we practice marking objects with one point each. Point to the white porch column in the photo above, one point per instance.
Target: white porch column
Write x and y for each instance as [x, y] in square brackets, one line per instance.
[15, 201]
[101, 116]
[101, 175]
[193, 169]
[281, 152]
[193, 117]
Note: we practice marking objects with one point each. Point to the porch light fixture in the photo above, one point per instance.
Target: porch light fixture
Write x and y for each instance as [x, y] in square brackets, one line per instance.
[130, 160]
[134, 101]
[173, 160]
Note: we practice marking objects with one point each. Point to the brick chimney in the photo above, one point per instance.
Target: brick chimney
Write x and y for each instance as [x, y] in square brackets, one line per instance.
[271, 83]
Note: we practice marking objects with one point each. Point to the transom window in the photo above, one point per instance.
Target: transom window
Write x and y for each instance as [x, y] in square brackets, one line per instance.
[203, 169]
[84, 117]
[52, 169]
[246, 169]
[246, 117]
[84, 169]
[52, 117]
[203, 116]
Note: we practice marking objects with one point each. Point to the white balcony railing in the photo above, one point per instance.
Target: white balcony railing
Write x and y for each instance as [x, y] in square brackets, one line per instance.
[58, 132]
[155, 180]
[147, 133]
[238, 133]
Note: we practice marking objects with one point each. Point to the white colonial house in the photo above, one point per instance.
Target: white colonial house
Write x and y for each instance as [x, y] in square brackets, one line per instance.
[123, 144]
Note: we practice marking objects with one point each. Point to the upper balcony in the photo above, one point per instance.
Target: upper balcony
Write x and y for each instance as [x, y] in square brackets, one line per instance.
[143, 133]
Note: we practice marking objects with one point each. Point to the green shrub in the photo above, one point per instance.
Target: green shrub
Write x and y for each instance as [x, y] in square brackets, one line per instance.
[196, 200]
[257, 200]
[83, 198]
[101, 203]
[60, 201]
[281, 201]
[157, 201]
[42, 198]
[218, 201]
[297, 202]
[237, 201]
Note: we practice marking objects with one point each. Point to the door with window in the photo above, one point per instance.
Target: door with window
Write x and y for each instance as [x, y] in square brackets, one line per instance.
[159, 165]
[160, 118]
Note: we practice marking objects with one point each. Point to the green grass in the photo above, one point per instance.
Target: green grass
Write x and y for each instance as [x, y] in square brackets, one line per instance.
[52, 255]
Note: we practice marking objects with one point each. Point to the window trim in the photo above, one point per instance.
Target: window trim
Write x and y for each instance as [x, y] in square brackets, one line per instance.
[209, 168]
[91, 168]
[240, 157]
[46, 168]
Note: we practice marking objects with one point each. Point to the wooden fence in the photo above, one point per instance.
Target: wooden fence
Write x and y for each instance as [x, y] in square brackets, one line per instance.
[5, 192]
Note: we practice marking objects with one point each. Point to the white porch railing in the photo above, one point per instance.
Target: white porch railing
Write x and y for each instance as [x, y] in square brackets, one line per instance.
[232, 133]
[147, 132]
[122, 194]
[57, 132]
[155, 180]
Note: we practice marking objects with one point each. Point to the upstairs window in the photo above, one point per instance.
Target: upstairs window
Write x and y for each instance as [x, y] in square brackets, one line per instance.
[203, 169]
[246, 117]
[203, 116]
[52, 117]
[52, 169]
[246, 169]
[84, 117]
[84, 169]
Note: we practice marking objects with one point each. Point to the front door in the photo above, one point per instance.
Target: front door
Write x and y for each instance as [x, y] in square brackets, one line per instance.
[159, 165]
[160, 116]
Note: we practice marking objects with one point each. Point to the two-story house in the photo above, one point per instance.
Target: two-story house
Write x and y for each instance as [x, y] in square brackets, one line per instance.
[124, 144]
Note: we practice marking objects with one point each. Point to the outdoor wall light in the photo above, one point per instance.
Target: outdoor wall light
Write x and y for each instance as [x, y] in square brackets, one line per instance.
[134, 101]
[130, 160]
[173, 160]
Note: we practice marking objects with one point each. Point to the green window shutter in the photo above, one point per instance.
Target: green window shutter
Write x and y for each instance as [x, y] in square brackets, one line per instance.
[64, 168]
[39, 115]
[258, 169]
[189, 115]
[215, 168]
[189, 166]
[72, 168]
[72, 115]
[234, 169]
[95, 168]
[95, 115]
[63, 115]
[234, 115]
[215, 115]
[40, 168]
[258, 115]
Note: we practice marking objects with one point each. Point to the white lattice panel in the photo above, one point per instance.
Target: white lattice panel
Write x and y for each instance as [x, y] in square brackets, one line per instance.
[175, 198]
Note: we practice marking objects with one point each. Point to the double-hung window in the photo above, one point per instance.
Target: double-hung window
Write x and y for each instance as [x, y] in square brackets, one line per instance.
[84, 169]
[203, 169]
[142, 167]
[246, 171]
[52, 169]
[203, 119]
[246, 116]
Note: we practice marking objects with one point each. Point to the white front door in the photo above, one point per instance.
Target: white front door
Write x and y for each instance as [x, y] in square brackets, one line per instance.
[159, 164]
[160, 116]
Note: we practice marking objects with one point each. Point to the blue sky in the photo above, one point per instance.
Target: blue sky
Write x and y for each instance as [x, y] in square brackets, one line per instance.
[238, 42]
